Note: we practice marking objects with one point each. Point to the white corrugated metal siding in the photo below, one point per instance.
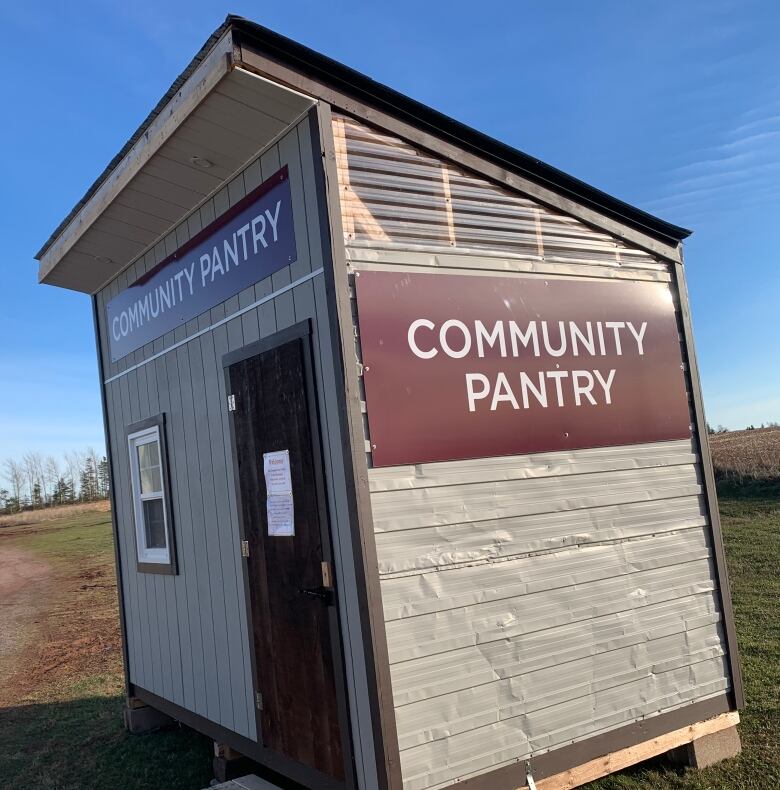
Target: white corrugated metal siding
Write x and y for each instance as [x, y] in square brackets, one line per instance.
[530, 601]
[393, 195]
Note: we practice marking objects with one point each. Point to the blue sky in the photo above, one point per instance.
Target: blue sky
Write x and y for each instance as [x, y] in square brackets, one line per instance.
[672, 106]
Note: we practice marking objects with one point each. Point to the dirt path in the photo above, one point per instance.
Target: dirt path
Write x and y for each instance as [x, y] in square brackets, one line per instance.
[58, 606]
[24, 594]
[17, 569]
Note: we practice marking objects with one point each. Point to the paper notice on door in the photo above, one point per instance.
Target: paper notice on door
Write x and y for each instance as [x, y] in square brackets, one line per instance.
[276, 468]
[280, 514]
[278, 486]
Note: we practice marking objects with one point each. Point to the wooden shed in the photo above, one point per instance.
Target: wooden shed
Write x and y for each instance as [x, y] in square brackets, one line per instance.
[410, 477]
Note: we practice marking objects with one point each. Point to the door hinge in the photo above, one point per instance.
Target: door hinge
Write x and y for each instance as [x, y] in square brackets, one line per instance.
[231, 402]
[327, 575]
[258, 700]
[244, 548]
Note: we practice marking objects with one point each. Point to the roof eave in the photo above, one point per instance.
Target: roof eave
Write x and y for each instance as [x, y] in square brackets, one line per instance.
[391, 101]
[212, 41]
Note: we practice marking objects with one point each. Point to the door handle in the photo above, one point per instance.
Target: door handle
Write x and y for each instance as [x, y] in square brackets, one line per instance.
[324, 594]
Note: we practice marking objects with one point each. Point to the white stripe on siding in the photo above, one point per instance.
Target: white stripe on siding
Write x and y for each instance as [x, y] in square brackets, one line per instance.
[414, 256]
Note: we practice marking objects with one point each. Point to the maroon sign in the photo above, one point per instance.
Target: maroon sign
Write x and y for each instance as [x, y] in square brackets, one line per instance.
[473, 366]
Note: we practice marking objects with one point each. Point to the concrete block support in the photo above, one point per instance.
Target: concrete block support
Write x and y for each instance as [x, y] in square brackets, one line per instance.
[228, 763]
[709, 749]
[713, 748]
[140, 718]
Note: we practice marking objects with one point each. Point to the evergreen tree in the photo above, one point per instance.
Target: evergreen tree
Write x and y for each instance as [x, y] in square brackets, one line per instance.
[62, 491]
[36, 499]
[89, 481]
[103, 478]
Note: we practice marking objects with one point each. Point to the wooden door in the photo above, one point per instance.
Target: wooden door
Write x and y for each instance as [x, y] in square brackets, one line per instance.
[290, 581]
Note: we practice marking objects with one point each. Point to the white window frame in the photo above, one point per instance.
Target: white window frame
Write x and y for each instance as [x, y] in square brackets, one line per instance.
[134, 440]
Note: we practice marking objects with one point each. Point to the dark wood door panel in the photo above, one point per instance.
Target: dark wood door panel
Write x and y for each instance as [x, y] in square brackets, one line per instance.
[290, 611]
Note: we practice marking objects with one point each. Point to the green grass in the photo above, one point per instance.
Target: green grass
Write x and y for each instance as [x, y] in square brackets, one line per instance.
[61, 539]
[78, 741]
[67, 733]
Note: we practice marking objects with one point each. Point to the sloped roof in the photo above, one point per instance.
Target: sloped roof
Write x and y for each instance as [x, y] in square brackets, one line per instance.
[313, 64]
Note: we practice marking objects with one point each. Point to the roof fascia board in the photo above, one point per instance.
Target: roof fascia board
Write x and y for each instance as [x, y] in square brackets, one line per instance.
[201, 82]
[254, 60]
[206, 198]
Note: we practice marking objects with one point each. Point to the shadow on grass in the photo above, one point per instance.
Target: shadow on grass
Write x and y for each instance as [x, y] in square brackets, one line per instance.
[83, 744]
[747, 487]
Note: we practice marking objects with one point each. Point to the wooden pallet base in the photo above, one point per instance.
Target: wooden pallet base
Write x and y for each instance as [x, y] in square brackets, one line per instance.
[624, 758]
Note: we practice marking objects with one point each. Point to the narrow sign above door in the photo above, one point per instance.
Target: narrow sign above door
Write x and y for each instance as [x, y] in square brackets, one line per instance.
[250, 241]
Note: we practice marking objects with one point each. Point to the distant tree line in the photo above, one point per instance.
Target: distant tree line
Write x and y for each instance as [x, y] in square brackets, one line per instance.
[35, 481]
[723, 429]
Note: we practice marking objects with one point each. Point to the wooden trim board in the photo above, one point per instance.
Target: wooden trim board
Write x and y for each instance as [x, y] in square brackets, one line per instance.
[624, 758]
[351, 428]
[208, 73]
[120, 590]
[701, 437]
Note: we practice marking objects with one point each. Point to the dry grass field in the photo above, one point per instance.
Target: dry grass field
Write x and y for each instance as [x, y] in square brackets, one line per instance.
[52, 513]
[747, 456]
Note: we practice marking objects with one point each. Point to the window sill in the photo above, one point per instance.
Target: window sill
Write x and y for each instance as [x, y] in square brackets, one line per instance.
[164, 568]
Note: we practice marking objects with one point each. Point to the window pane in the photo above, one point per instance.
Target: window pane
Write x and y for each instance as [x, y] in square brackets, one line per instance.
[149, 467]
[154, 523]
[151, 481]
[149, 454]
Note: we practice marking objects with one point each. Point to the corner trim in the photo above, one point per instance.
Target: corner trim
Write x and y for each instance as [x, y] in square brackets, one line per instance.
[112, 499]
[388, 765]
[710, 492]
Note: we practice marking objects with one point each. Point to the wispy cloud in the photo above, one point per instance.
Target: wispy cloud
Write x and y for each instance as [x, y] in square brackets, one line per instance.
[742, 165]
[748, 149]
[736, 184]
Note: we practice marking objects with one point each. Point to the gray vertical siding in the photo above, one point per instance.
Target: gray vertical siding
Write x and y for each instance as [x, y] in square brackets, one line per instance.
[530, 601]
[187, 634]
